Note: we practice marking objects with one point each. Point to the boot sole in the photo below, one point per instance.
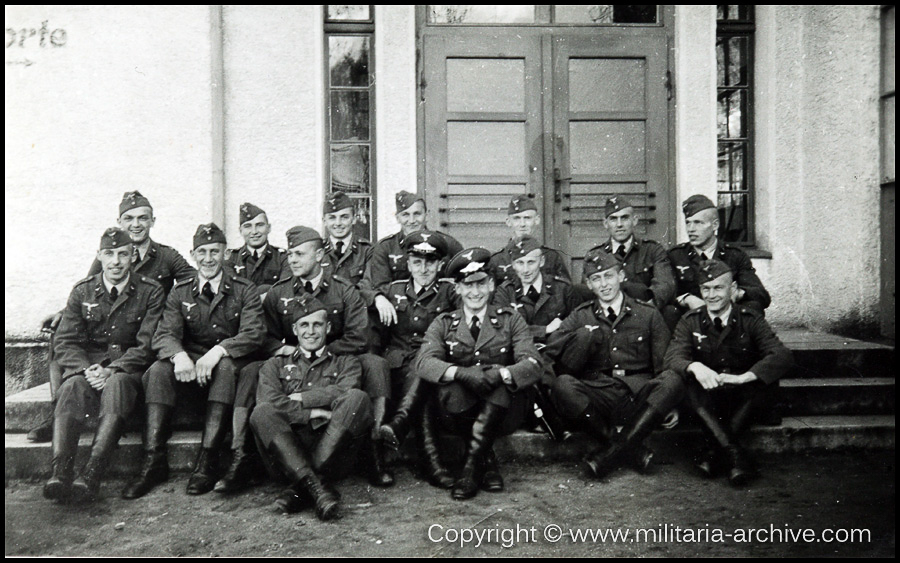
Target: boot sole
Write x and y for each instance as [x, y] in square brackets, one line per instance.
[57, 491]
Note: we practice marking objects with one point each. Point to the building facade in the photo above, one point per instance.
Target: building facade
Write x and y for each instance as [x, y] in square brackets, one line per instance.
[782, 114]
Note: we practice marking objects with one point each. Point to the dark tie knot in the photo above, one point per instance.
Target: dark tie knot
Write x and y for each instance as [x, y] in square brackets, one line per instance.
[308, 287]
[339, 246]
[718, 323]
[208, 291]
[114, 293]
[255, 255]
[620, 252]
[610, 314]
[533, 294]
[312, 356]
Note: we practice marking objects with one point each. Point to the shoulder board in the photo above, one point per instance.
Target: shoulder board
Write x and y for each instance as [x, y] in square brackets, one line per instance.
[282, 281]
[585, 305]
[694, 311]
[399, 283]
[502, 311]
[85, 280]
[341, 279]
[279, 250]
[499, 252]
[363, 242]
[388, 238]
[683, 245]
[597, 248]
[508, 282]
[562, 280]
[446, 280]
[183, 281]
[648, 241]
[242, 280]
[638, 303]
[749, 311]
[448, 315]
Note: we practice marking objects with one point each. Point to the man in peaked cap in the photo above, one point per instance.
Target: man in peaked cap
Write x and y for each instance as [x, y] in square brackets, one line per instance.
[484, 362]
[648, 272]
[153, 260]
[345, 253]
[103, 347]
[258, 261]
[523, 220]
[388, 262]
[212, 322]
[346, 335]
[610, 352]
[728, 355]
[418, 301]
[702, 222]
[310, 411]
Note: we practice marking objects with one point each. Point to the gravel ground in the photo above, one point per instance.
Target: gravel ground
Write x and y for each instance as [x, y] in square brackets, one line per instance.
[826, 491]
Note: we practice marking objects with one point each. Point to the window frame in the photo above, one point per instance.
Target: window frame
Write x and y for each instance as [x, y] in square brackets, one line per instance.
[352, 28]
[727, 29]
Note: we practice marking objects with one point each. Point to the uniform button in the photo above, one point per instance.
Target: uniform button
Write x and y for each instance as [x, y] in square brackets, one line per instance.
[113, 327]
[477, 363]
[415, 318]
[615, 331]
[214, 326]
[616, 366]
[477, 353]
[309, 384]
[614, 348]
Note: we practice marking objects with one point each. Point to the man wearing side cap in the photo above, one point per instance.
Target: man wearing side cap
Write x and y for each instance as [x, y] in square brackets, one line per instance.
[310, 411]
[543, 302]
[702, 222]
[211, 324]
[388, 262]
[729, 356]
[418, 301]
[103, 347]
[523, 219]
[648, 272]
[152, 260]
[484, 362]
[258, 261]
[345, 253]
[610, 354]
[346, 335]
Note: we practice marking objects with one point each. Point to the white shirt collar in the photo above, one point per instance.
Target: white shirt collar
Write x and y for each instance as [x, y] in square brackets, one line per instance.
[319, 353]
[143, 248]
[480, 316]
[345, 240]
[316, 280]
[725, 316]
[710, 251]
[214, 282]
[616, 304]
[537, 285]
[260, 251]
[120, 286]
[417, 287]
[627, 244]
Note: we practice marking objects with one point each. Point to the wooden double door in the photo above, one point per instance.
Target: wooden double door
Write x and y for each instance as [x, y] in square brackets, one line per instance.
[568, 117]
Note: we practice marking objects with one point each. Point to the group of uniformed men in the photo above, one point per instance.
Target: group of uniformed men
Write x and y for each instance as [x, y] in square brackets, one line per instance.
[318, 357]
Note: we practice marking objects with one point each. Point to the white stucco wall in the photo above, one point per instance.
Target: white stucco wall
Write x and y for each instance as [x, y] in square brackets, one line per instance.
[124, 104]
[817, 167]
[274, 115]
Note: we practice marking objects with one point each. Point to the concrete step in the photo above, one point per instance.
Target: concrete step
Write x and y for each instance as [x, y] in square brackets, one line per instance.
[839, 395]
[819, 355]
[795, 434]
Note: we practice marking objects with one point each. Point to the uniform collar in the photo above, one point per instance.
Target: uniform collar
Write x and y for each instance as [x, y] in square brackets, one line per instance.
[144, 248]
[616, 304]
[348, 242]
[710, 251]
[628, 244]
[316, 281]
[538, 284]
[320, 353]
[725, 315]
[480, 316]
[120, 286]
[262, 250]
[214, 282]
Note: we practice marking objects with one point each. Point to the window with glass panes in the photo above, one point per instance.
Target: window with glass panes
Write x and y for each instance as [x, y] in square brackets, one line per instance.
[350, 166]
[734, 94]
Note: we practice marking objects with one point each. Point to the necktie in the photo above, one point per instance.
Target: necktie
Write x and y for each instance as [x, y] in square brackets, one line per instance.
[475, 329]
[308, 287]
[339, 246]
[312, 357]
[533, 294]
[610, 314]
[621, 251]
[208, 291]
[718, 322]
[255, 255]
[114, 294]
[419, 291]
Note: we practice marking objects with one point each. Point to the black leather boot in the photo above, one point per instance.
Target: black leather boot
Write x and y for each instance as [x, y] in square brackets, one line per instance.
[604, 461]
[741, 470]
[491, 481]
[429, 450]
[155, 466]
[87, 485]
[296, 466]
[327, 506]
[65, 445]
[205, 474]
[595, 424]
[725, 447]
[547, 417]
[379, 475]
[394, 432]
[43, 432]
[246, 464]
[484, 431]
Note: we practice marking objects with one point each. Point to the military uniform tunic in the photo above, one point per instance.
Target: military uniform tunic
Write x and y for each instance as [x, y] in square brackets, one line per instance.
[686, 266]
[161, 263]
[115, 334]
[264, 271]
[556, 299]
[351, 264]
[503, 341]
[648, 271]
[554, 264]
[329, 382]
[389, 263]
[192, 323]
[606, 362]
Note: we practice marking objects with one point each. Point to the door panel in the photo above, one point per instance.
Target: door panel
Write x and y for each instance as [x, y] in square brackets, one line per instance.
[610, 127]
[569, 118]
[482, 131]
